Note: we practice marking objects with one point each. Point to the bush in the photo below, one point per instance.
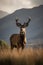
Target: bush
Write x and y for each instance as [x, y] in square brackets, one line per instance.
[3, 44]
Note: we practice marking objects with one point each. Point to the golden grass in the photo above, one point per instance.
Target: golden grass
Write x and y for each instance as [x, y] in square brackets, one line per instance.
[28, 56]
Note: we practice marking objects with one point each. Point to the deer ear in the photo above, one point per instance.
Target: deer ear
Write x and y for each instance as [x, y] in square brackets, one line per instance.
[18, 23]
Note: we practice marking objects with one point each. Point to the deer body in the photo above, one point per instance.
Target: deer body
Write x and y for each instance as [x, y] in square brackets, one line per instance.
[19, 40]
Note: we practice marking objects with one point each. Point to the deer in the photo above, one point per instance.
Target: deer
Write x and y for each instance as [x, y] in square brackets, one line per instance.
[19, 40]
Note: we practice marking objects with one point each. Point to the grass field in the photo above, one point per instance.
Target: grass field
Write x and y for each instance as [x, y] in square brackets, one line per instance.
[28, 56]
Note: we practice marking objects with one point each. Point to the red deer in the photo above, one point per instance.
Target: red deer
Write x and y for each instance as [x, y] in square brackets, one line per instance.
[19, 40]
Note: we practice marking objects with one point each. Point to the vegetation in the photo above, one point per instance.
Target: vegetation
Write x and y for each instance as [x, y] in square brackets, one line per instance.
[28, 56]
[3, 44]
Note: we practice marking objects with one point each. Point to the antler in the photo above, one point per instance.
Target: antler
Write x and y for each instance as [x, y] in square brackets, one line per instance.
[17, 23]
[26, 24]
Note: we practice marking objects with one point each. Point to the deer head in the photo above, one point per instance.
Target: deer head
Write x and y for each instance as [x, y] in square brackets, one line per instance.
[22, 27]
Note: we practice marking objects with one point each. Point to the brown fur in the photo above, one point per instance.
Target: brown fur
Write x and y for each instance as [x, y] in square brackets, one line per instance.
[17, 41]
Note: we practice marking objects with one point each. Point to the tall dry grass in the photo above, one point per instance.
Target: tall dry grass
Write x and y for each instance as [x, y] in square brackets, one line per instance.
[28, 56]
